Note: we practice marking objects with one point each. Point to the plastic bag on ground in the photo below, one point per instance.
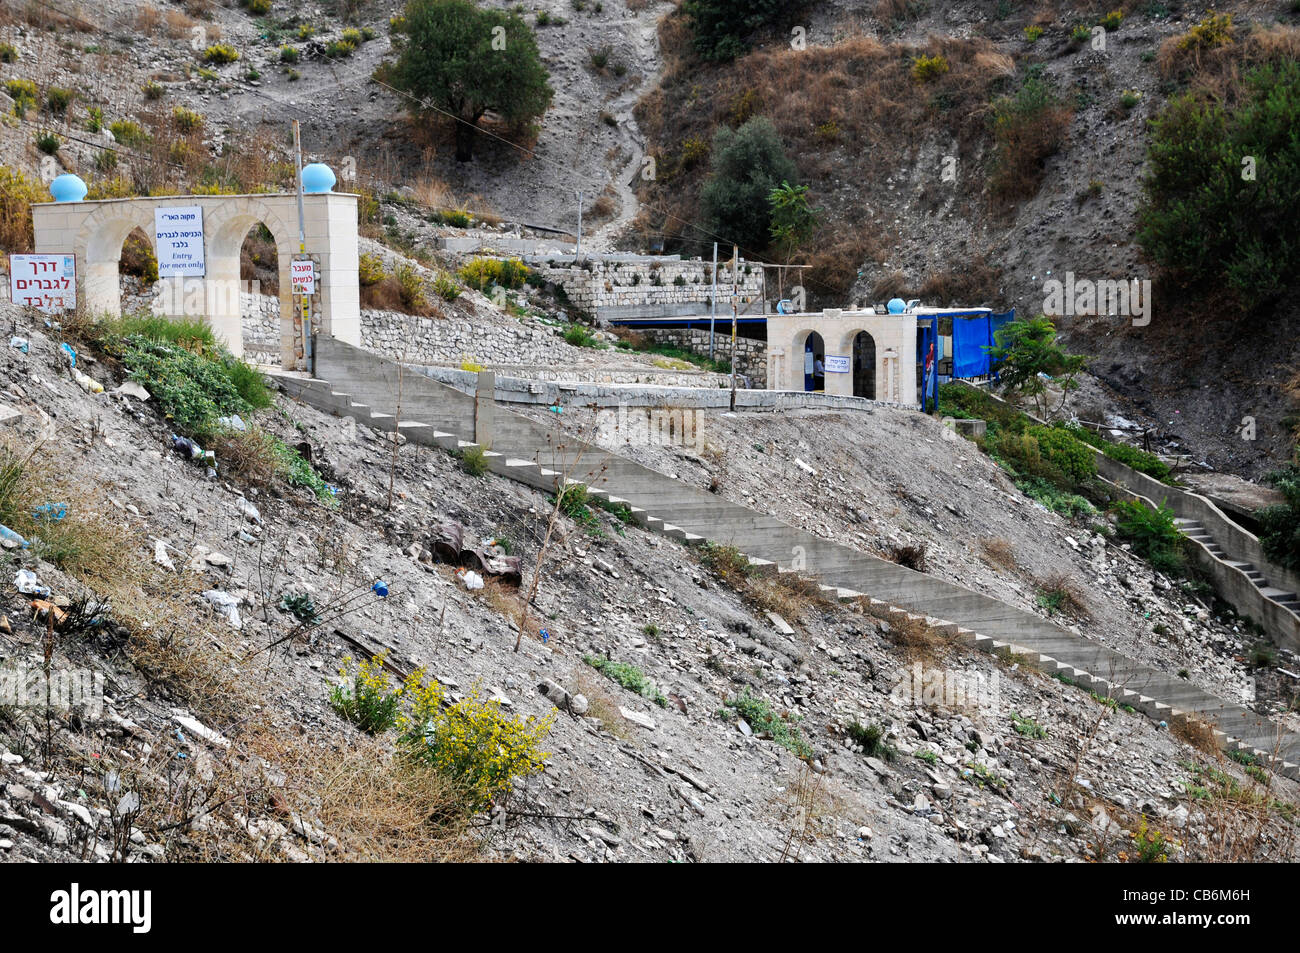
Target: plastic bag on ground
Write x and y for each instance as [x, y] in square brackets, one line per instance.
[227, 605]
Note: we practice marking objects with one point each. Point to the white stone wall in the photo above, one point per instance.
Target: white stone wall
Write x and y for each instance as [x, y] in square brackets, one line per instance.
[260, 316]
[620, 283]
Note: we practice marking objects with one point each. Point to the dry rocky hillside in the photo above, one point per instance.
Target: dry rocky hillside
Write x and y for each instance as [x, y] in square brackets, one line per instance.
[227, 743]
[689, 709]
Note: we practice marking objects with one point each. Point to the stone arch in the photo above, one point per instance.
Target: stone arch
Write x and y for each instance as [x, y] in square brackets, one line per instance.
[225, 230]
[98, 246]
[809, 345]
[862, 348]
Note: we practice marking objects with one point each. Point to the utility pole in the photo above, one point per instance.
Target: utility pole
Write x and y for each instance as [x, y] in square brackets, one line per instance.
[735, 294]
[713, 300]
[577, 254]
[305, 312]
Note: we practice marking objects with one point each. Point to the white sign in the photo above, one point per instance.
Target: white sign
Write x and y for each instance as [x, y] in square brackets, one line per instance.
[47, 282]
[178, 236]
[837, 364]
[302, 276]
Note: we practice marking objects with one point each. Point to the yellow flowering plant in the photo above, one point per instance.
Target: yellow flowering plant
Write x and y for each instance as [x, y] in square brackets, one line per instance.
[473, 742]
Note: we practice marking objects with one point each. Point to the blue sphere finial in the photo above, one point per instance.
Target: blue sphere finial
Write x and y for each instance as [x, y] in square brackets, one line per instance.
[317, 177]
[68, 188]
[897, 306]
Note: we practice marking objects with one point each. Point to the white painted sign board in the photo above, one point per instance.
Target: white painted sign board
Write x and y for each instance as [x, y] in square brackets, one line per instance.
[46, 282]
[837, 363]
[178, 236]
[302, 276]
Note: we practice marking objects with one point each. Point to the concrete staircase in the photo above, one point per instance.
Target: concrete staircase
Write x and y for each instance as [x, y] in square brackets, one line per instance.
[1194, 531]
[364, 386]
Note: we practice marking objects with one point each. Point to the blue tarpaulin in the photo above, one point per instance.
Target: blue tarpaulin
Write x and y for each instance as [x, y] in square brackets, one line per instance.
[971, 338]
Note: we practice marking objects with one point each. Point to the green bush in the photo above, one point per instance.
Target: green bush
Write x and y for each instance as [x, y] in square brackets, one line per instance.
[1152, 533]
[58, 99]
[187, 120]
[1202, 218]
[129, 133]
[1280, 524]
[48, 143]
[580, 336]
[1028, 126]
[746, 165]
[1062, 450]
[371, 269]
[627, 676]
[764, 720]
[289, 54]
[722, 27]
[473, 460]
[1130, 456]
[365, 697]
[926, 69]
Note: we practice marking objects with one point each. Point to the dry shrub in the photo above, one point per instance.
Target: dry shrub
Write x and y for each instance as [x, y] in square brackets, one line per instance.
[178, 24]
[377, 805]
[434, 193]
[1197, 733]
[786, 594]
[893, 285]
[835, 259]
[998, 551]
[909, 555]
[147, 19]
[604, 207]
[974, 282]
[919, 642]
[248, 457]
[387, 294]
[1058, 592]
[601, 704]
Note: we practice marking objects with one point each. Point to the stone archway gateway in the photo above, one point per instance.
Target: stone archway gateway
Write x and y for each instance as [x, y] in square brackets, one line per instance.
[94, 231]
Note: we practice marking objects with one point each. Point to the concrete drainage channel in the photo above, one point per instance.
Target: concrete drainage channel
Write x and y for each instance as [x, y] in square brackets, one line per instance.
[365, 387]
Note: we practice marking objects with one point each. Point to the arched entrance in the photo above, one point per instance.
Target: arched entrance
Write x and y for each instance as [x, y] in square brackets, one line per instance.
[864, 365]
[814, 360]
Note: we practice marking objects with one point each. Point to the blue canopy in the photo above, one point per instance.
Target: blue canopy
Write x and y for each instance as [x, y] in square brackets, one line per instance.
[971, 339]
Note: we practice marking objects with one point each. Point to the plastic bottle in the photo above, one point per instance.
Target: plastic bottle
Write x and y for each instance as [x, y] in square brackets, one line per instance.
[11, 540]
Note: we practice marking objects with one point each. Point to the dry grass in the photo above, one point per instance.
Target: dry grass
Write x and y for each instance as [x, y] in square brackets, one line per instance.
[178, 24]
[1217, 71]
[601, 703]
[1059, 592]
[919, 642]
[147, 19]
[998, 551]
[786, 594]
[378, 806]
[1196, 733]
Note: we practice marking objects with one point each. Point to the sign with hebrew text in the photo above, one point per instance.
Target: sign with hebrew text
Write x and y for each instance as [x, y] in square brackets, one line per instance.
[47, 282]
[178, 236]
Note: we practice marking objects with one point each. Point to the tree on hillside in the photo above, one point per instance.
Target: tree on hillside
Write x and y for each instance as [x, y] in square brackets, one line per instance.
[1028, 356]
[457, 58]
[1222, 198]
[721, 26]
[747, 164]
